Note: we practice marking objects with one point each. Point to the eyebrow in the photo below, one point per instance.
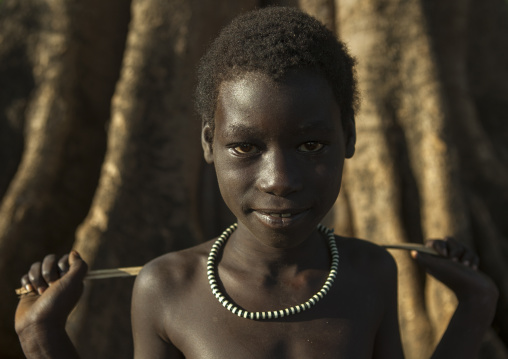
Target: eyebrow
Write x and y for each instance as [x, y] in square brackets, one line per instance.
[246, 130]
[241, 130]
[318, 125]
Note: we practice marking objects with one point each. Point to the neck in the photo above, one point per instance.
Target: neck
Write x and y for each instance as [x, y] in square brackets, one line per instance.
[302, 280]
[244, 250]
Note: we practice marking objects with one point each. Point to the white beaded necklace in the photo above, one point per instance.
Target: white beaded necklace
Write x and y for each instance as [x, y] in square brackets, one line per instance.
[211, 272]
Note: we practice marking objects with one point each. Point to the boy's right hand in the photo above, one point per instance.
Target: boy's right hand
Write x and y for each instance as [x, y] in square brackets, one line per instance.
[55, 288]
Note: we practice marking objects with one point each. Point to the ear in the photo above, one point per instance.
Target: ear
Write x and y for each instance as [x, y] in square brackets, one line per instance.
[350, 137]
[207, 142]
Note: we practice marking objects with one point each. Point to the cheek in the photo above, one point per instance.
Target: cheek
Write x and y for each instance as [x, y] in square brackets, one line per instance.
[331, 171]
[233, 183]
[330, 178]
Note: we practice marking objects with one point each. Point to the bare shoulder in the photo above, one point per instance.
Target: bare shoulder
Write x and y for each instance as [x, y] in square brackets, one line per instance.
[161, 293]
[363, 250]
[171, 273]
[373, 274]
[367, 258]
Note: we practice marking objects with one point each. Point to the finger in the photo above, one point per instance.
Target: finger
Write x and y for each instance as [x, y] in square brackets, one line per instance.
[468, 258]
[461, 253]
[77, 266]
[72, 282]
[455, 249]
[63, 264]
[25, 283]
[438, 245]
[475, 264]
[36, 279]
[49, 269]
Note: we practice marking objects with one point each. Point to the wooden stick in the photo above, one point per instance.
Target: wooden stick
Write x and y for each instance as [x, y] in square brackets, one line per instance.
[133, 271]
[411, 247]
[112, 273]
[101, 274]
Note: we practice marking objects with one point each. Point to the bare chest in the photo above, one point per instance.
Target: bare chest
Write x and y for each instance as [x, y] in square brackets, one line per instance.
[338, 327]
[319, 339]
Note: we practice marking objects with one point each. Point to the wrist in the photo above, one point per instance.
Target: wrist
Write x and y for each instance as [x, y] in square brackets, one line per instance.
[480, 299]
[44, 340]
[479, 310]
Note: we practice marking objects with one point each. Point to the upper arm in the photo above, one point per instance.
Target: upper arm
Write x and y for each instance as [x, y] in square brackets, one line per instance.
[149, 306]
[388, 343]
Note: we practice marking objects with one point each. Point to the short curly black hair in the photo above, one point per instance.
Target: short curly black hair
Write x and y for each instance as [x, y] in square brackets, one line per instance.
[273, 41]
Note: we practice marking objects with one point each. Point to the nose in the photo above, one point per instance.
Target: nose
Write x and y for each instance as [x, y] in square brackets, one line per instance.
[280, 174]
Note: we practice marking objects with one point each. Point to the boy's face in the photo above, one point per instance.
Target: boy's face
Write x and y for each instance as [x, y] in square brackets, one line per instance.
[278, 150]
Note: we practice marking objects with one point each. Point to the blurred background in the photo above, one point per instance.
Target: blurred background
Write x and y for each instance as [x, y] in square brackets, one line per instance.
[100, 148]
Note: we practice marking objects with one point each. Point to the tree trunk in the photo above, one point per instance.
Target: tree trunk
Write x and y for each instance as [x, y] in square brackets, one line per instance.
[421, 147]
[431, 156]
[63, 131]
[145, 204]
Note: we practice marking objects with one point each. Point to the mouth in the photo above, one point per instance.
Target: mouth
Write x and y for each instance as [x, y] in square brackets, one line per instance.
[281, 215]
[280, 218]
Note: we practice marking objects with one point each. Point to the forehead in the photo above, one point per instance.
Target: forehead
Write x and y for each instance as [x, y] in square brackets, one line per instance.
[301, 99]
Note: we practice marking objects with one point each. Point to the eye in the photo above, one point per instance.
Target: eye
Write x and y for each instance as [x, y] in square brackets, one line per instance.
[245, 148]
[311, 146]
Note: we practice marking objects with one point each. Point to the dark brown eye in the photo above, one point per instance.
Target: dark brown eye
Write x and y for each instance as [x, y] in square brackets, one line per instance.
[245, 148]
[311, 146]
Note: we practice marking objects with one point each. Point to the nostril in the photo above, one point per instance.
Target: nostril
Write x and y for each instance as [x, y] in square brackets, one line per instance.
[280, 183]
[280, 173]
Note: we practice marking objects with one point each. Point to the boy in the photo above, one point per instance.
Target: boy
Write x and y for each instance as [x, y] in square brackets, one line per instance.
[277, 97]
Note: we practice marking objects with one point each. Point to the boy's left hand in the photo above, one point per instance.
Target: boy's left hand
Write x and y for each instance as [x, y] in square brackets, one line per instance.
[457, 268]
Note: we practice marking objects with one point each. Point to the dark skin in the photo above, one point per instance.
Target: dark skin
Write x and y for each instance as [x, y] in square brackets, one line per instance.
[278, 149]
